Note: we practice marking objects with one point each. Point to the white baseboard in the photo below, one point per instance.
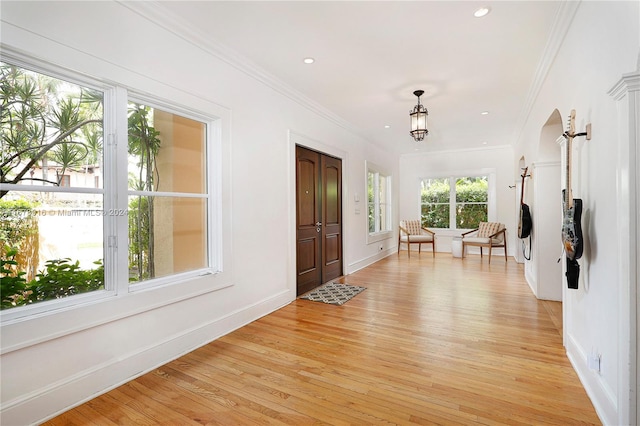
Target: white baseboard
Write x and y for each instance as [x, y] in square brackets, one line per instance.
[602, 397]
[59, 397]
[363, 263]
[531, 281]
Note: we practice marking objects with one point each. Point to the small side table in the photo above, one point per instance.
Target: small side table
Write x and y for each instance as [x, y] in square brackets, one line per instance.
[456, 246]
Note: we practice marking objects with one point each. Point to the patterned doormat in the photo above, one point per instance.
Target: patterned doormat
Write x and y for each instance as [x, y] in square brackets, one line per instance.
[333, 293]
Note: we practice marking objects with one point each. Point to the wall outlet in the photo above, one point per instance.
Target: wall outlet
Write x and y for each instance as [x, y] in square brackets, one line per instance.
[593, 360]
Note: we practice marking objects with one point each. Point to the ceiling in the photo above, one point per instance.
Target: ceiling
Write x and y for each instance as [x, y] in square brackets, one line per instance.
[370, 56]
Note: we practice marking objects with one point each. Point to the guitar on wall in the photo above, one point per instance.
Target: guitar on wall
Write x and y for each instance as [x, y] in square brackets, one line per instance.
[572, 208]
[525, 223]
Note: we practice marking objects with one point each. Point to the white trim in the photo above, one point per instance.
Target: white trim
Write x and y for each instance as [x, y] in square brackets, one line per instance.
[561, 23]
[44, 188]
[115, 196]
[627, 93]
[601, 395]
[158, 14]
[370, 260]
[492, 189]
[50, 69]
[456, 151]
[72, 391]
[202, 195]
[118, 265]
[383, 234]
[62, 321]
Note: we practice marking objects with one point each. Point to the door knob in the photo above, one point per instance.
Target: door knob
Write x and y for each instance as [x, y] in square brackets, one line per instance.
[318, 223]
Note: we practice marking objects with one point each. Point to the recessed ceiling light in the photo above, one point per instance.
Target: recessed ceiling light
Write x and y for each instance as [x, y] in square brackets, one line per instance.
[479, 13]
[485, 113]
[386, 126]
[308, 60]
[484, 143]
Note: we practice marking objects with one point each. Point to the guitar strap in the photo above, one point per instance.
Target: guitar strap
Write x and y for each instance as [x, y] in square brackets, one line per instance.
[573, 272]
[524, 253]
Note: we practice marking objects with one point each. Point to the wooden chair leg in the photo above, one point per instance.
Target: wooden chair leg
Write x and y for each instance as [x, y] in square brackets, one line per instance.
[490, 255]
[505, 249]
[433, 248]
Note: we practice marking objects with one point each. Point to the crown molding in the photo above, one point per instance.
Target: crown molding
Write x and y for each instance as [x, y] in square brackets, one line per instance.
[563, 19]
[456, 151]
[156, 13]
[628, 83]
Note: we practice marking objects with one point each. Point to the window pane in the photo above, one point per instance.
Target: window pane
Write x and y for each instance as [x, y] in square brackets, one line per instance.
[166, 151]
[51, 130]
[378, 196]
[434, 197]
[372, 219]
[435, 215]
[52, 246]
[382, 218]
[371, 206]
[384, 203]
[51, 136]
[471, 201]
[469, 216]
[472, 189]
[167, 235]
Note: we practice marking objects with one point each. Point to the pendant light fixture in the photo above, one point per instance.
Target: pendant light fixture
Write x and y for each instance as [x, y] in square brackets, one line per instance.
[419, 119]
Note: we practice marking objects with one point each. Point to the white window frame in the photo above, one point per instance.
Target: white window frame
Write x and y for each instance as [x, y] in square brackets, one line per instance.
[209, 123]
[386, 233]
[115, 190]
[452, 176]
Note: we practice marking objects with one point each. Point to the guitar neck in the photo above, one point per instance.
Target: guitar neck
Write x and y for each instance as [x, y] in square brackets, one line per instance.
[569, 135]
[524, 175]
[569, 194]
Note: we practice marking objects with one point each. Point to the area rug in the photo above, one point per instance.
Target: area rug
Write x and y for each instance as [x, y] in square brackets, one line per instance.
[333, 293]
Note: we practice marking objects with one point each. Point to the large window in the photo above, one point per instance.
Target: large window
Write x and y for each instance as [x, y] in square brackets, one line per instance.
[454, 202]
[167, 193]
[66, 202]
[379, 201]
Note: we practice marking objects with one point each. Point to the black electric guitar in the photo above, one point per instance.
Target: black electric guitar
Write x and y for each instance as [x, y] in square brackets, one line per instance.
[525, 223]
[571, 226]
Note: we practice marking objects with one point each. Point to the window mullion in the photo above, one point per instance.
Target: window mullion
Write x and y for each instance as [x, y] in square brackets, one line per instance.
[116, 193]
[376, 201]
[452, 202]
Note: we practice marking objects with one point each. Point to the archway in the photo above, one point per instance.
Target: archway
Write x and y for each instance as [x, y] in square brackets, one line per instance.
[543, 271]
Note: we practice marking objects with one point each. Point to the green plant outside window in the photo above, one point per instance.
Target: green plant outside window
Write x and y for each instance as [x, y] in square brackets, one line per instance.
[455, 203]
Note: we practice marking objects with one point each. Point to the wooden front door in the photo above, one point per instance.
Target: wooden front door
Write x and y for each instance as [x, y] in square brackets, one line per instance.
[318, 218]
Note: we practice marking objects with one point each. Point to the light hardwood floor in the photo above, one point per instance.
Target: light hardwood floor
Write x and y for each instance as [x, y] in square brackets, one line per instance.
[430, 341]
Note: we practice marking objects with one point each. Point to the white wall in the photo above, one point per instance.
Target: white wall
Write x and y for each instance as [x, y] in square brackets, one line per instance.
[499, 161]
[602, 43]
[544, 273]
[57, 360]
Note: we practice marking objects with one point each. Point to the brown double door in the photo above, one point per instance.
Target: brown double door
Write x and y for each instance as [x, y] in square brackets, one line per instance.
[318, 218]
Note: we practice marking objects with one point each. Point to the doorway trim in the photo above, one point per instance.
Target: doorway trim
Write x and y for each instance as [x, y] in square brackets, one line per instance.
[626, 93]
[296, 138]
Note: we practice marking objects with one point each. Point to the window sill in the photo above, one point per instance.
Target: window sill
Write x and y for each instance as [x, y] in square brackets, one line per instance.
[35, 329]
[379, 236]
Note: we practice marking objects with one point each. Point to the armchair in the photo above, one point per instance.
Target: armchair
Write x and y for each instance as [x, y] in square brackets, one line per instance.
[412, 232]
[488, 234]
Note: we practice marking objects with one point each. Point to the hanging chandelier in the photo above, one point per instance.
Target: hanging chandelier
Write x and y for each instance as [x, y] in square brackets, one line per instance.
[419, 119]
